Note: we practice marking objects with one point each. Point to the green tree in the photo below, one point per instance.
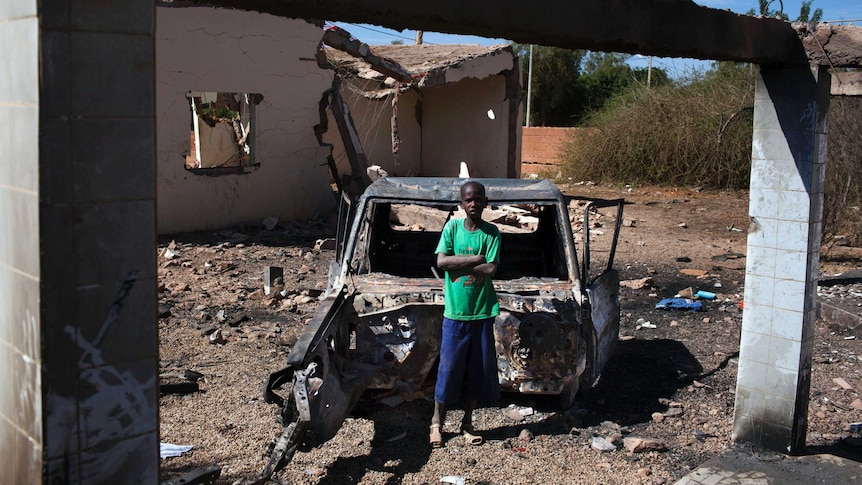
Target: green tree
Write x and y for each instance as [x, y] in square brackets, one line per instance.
[805, 13]
[554, 79]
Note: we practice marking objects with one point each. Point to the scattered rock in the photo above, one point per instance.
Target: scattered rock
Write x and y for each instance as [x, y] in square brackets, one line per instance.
[217, 338]
[644, 472]
[601, 444]
[525, 436]
[512, 413]
[638, 284]
[657, 417]
[641, 445]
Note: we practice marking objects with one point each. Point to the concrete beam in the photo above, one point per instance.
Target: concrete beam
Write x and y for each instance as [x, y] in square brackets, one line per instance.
[671, 28]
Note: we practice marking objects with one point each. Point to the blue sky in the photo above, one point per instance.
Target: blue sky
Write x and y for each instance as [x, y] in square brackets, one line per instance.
[837, 11]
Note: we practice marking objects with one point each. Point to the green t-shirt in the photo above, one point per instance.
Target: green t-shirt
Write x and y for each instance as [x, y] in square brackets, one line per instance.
[469, 295]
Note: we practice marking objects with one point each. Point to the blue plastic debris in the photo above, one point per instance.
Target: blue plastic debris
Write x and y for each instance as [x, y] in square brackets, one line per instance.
[679, 304]
[706, 295]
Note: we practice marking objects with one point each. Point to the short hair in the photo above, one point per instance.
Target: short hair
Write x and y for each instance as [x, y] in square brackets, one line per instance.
[475, 185]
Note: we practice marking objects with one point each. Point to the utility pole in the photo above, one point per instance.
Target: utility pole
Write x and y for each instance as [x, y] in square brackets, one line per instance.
[418, 37]
[649, 73]
[529, 84]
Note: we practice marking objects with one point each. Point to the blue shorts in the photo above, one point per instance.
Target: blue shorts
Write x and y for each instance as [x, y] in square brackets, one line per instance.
[468, 362]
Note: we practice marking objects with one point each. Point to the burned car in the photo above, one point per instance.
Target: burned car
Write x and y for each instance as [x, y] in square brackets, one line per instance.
[379, 325]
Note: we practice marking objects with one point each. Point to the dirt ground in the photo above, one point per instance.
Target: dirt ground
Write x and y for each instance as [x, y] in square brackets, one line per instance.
[672, 376]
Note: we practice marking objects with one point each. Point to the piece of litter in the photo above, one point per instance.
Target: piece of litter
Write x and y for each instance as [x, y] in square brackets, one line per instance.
[841, 382]
[525, 411]
[168, 450]
[692, 272]
[852, 337]
[452, 479]
[648, 325]
[679, 304]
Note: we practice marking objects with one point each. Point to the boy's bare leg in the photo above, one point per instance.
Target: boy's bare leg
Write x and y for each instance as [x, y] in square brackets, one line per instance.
[439, 413]
[467, 422]
[435, 437]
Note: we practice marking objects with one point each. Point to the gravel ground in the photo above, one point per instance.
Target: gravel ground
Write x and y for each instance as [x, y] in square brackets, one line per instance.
[672, 377]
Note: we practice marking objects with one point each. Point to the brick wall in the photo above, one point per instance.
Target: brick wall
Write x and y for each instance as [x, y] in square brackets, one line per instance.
[541, 147]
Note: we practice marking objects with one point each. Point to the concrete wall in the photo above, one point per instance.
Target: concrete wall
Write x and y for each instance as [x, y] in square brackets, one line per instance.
[20, 357]
[373, 120]
[96, 243]
[206, 49]
[456, 128]
[438, 127]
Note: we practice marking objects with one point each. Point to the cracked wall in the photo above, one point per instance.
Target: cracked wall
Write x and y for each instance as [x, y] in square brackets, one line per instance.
[206, 49]
[439, 127]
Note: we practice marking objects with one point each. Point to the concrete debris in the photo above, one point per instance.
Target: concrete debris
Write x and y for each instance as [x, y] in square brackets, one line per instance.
[525, 436]
[600, 444]
[642, 445]
[325, 244]
[513, 413]
[216, 338]
[841, 382]
[638, 284]
[170, 253]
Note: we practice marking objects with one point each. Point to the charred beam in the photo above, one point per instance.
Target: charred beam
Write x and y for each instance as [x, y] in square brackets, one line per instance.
[672, 28]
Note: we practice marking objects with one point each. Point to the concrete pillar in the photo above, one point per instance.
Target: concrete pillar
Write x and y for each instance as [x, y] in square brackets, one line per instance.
[787, 176]
[96, 242]
[20, 355]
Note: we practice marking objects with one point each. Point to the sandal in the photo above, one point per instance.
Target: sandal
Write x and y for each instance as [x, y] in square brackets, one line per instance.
[469, 438]
[435, 438]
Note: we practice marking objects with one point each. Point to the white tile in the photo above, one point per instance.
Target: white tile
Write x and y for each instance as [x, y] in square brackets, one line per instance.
[763, 203]
[795, 178]
[771, 145]
[757, 317]
[753, 347]
[759, 289]
[780, 410]
[760, 261]
[789, 295]
[784, 353]
[787, 324]
[793, 206]
[791, 265]
[781, 383]
[765, 174]
[19, 70]
[752, 374]
[17, 9]
[792, 235]
[765, 234]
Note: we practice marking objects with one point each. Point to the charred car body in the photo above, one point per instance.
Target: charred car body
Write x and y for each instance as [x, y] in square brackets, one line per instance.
[379, 324]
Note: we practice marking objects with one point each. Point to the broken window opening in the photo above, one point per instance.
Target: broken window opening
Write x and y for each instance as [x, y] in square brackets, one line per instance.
[222, 138]
[404, 237]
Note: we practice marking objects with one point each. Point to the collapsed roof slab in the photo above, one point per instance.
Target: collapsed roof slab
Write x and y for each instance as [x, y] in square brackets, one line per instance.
[669, 28]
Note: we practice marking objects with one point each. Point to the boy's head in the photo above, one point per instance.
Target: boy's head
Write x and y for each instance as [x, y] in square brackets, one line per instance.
[473, 199]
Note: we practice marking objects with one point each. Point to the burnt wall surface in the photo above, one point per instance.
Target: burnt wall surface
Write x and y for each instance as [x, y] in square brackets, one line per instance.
[96, 237]
[671, 28]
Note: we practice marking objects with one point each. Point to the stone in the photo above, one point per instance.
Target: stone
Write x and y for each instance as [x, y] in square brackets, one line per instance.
[673, 412]
[304, 269]
[525, 436]
[327, 244]
[601, 444]
[513, 414]
[164, 311]
[658, 417]
[217, 338]
[642, 445]
[257, 294]
[644, 472]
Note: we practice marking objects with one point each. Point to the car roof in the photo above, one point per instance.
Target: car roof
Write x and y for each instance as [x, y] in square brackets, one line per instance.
[448, 189]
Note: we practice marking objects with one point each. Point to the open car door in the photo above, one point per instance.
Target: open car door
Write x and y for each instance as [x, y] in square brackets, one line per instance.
[602, 310]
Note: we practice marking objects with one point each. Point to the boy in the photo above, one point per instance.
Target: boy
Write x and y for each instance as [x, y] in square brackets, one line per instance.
[469, 251]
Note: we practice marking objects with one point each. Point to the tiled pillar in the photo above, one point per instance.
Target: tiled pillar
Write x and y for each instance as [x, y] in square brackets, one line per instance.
[787, 176]
[97, 241]
[20, 356]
